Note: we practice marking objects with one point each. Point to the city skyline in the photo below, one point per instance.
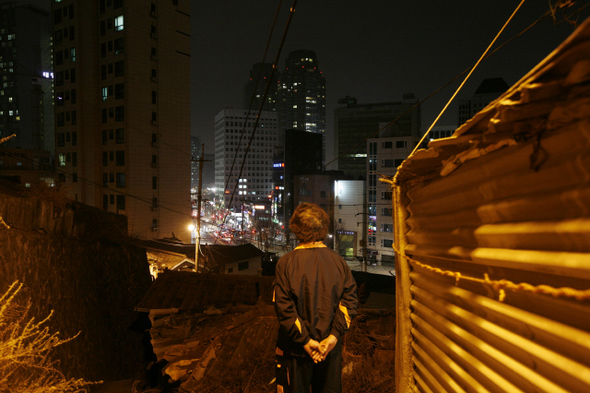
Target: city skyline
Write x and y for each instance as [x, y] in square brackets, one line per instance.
[375, 52]
[426, 44]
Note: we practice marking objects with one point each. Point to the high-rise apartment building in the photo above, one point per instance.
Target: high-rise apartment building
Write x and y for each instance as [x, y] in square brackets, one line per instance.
[26, 86]
[262, 80]
[301, 94]
[355, 123]
[122, 109]
[233, 130]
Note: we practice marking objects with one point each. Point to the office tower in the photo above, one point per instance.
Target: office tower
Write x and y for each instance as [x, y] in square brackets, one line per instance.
[300, 155]
[260, 76]
[233, 130]
[26, 87]
[355, 123]
[488, 91]
[301, 94]
[122, 73]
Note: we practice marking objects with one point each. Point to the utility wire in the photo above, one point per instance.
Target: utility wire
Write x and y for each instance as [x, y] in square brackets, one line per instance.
[544, 16]
[540, 19]
[483, 56]
[291, 12]
[253, 95]
[245, 154]
[248, 114]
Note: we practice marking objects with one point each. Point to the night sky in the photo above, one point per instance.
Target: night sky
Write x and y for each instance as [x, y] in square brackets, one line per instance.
[373, 50]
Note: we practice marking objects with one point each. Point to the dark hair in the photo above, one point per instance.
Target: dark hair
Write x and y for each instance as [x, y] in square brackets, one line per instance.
[309, 223]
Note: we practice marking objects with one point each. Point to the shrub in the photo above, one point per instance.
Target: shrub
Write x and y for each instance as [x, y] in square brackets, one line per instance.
[26, 365]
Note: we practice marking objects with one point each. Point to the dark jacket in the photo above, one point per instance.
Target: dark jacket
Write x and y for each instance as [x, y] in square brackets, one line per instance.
[315, 296]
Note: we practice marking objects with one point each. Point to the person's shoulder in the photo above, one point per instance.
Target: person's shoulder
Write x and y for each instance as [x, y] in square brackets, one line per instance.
[338, 258]
[286, 257]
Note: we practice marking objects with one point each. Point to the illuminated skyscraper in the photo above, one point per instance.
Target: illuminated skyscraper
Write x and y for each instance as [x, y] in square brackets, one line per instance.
[301, 94]
[256, 87]
[233, 129]
[122, 77]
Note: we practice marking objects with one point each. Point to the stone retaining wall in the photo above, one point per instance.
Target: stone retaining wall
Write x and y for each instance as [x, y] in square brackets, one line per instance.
[76, 261]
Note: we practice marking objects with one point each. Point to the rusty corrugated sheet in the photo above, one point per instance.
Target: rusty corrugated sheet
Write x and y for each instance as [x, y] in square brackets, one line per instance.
[493, 242]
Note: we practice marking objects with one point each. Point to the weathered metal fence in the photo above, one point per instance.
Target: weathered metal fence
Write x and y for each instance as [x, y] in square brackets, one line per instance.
[493, 242]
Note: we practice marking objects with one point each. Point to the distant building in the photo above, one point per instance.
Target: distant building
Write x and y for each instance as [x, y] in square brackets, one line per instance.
[27, 76]
[122, 72]
[488, 91]
[233, 130]
[301, 94]
[300, 155]
[319, 189]
[255, 88]
[442, 131]
[349, 215]
[386, 153]
[354, 123]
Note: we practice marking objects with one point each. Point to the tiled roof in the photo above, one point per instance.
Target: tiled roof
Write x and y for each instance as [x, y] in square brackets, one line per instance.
[218, 331]
[222, 254]
[234, 350]
[219, 253]
[196, 291]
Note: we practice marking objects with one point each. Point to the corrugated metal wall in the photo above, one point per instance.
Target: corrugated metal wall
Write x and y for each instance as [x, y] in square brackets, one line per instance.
[493, 242]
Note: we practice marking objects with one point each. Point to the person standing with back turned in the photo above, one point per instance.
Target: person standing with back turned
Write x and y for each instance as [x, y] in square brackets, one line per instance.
[315, 301]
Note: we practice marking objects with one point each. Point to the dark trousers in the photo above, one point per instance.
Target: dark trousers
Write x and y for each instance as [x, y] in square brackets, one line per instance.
[296, 374]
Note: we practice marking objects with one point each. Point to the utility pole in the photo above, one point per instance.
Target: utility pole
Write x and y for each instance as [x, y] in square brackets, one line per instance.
[365, 227]
[199, 198]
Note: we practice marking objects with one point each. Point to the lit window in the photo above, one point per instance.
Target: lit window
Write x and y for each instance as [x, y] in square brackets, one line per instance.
[105, 93]
[119, 23]
[61, 159]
